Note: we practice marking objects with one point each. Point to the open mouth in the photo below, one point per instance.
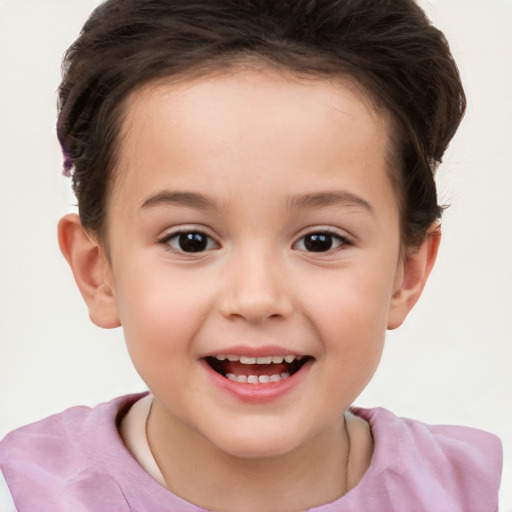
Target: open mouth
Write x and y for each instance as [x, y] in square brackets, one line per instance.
[256, 370]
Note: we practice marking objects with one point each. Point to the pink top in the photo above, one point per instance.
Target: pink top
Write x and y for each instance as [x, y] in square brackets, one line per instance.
[76, 461]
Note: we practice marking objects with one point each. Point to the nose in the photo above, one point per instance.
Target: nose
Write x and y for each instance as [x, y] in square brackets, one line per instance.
[256, 289]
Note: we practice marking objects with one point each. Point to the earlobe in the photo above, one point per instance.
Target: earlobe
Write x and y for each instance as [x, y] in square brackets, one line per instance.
[91, 270]
[412, 277]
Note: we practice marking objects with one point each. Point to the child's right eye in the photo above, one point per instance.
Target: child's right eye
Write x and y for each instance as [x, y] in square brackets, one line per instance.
[190, 241]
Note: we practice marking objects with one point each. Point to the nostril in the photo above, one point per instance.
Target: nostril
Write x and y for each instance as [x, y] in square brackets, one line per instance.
[257, 309]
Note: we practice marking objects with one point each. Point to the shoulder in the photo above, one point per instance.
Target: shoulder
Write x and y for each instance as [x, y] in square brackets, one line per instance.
[61, 434]
[461, 464]
[63, 450]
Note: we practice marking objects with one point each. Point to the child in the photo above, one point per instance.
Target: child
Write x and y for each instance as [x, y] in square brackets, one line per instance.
[257, 207]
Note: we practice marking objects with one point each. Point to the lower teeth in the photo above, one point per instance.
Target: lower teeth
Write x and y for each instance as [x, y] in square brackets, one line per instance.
[255, 379]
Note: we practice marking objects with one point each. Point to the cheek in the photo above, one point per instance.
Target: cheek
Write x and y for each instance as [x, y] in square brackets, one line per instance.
[353, 344]
[355, 300]
[350, 314]
[159, 312]
[158, 330]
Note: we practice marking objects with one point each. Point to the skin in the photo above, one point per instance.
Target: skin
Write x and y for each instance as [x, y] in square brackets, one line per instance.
[256, 161]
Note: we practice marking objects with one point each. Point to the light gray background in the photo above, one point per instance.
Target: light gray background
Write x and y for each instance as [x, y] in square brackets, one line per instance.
[450, 363]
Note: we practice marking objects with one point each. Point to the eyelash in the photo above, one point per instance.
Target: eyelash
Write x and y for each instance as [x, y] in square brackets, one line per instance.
[323, 235]
[193, 236]
[201, 242]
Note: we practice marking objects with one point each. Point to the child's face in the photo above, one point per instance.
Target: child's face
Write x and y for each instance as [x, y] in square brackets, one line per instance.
[253, 216]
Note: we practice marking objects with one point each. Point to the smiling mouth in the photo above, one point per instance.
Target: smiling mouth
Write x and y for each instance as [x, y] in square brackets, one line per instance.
[256, 370]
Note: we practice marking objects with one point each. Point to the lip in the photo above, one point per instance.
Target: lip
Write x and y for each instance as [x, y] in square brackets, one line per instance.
[261, 392]
[259, 351]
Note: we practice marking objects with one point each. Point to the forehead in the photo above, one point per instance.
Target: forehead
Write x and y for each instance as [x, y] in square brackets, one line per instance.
[241, 89]
[251, 121]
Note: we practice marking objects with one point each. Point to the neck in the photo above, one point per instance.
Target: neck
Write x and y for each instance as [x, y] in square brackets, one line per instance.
[196, 470]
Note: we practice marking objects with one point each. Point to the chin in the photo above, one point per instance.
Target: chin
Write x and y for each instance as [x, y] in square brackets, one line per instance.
[258, 444]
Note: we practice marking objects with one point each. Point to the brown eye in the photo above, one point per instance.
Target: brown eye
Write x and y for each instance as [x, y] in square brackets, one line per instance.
[191, 242]
[320, 242]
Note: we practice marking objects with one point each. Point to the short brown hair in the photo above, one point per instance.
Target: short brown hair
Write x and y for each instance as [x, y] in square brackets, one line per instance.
[388, 47]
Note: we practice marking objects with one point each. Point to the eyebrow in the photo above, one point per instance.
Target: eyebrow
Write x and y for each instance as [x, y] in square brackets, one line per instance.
[298, 202]
[176, 198]
[326, 199]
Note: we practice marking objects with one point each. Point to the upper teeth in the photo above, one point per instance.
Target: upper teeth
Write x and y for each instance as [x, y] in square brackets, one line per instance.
[258, 360]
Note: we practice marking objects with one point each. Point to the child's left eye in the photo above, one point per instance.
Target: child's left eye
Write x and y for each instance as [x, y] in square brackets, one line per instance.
[190, 242]
[320, 242]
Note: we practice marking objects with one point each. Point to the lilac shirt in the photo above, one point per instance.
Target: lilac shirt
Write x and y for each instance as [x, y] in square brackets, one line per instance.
[76, 461]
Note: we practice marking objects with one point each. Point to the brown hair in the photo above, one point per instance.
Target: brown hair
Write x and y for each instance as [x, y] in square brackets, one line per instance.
[388, 47]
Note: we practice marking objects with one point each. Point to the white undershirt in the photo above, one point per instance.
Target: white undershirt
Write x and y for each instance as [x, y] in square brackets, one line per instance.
[133, 432]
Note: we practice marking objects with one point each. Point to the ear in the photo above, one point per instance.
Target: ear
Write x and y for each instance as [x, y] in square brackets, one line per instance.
[412, 275]
[91, 270]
